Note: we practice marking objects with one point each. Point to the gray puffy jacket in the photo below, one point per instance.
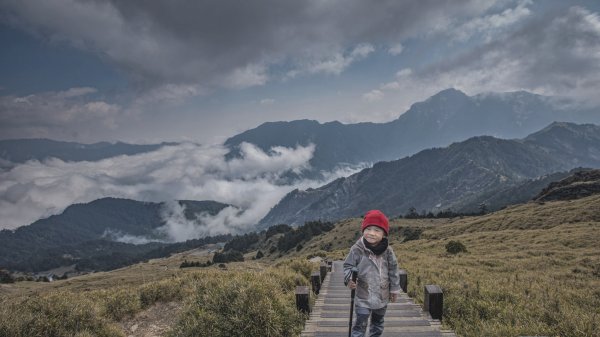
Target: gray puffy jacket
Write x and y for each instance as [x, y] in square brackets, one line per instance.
[377, 275]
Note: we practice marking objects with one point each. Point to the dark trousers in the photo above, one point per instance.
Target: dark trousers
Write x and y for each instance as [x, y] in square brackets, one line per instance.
[362, 318]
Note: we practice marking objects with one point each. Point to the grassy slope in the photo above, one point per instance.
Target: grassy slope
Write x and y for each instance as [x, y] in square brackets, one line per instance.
[153, 270]
[532, 269]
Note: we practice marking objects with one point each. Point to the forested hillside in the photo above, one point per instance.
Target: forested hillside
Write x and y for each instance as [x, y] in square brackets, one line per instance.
[84, 235]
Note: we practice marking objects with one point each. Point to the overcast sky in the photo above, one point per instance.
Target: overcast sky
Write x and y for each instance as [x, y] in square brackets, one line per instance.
[148, 71]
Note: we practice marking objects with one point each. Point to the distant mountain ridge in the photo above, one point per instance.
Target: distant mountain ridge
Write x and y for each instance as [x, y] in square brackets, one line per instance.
[22, 150]
[457, 177]
[442, 119]
[81, 226]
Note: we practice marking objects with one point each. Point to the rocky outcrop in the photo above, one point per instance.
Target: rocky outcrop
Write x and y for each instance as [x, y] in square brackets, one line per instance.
[581, 184]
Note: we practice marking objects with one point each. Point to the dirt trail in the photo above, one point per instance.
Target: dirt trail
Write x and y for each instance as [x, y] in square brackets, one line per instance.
[152, 322]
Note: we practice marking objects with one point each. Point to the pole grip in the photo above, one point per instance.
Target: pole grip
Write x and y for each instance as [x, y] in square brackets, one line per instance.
[354, 276]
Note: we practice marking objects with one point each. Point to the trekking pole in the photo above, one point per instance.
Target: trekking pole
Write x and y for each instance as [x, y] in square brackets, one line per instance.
[352, 293]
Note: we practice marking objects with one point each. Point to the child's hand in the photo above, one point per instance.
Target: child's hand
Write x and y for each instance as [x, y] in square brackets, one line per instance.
[351, 284]
[393, 297]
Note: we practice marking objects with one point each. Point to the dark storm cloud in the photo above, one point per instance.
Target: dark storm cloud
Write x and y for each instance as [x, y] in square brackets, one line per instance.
[227, 43]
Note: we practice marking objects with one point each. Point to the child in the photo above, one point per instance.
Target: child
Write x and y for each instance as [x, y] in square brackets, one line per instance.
[377, 280]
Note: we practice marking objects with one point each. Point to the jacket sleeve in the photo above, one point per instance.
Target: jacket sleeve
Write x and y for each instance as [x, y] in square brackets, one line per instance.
[351, 261]
[393, 272]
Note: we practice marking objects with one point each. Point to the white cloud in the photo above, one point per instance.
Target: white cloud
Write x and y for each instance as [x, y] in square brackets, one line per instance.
[106, 112]
[332, 65]
[74, 92]
[396, 49]
[188, 171]
[373, 96]
[391, 86]
[267, 101]
[255, 162]
[56, 113]
[168, 93]
[491, 24]
[334, 62]
[248, 76]
[229, 220]
[127, 238]
[404, 73]
[361, 51]
[178, 227]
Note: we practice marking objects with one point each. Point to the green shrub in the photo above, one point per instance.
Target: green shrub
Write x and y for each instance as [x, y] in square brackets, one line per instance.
[281, 228]
[6, 277]
[242, 243]
[455, 247]
[225, 257]
[410, 233]
[303, 233]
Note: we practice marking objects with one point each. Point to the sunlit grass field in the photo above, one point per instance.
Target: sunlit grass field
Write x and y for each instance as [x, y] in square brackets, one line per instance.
[529, 270]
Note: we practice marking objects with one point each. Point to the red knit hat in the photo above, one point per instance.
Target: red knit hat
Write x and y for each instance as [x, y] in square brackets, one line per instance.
[375, 218]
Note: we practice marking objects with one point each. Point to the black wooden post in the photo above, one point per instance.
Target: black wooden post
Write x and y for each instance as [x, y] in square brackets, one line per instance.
[315, 280]
[434, 301]
[323, 270]
[329, 265]
[302, 299]
[403, 279]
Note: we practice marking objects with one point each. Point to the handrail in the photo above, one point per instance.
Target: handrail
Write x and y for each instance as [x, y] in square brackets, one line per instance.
[433, 302]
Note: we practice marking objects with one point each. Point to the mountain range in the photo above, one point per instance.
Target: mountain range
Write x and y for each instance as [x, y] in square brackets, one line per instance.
[442, 119]
[447, 117]
[458, 177]
[14, 151]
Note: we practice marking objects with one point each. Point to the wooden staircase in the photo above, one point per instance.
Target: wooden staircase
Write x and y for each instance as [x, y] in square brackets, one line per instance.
[330, 315]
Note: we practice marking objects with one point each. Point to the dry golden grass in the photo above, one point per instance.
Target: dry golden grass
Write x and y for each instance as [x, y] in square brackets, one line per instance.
[532, 269]
[514, 282]
[242, 303]
[216, 303]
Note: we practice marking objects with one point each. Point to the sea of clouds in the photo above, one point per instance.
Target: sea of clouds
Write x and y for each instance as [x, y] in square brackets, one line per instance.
[251, 183]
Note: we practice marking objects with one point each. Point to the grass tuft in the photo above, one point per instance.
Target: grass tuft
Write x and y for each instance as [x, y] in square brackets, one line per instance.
[54, 314]
[238, 303]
